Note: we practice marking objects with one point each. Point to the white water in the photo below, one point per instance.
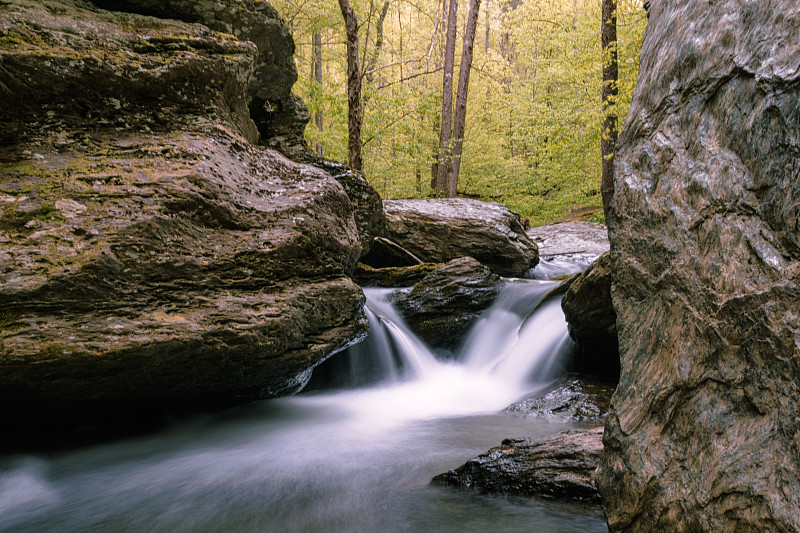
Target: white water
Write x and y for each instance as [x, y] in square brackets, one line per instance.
[356, 460]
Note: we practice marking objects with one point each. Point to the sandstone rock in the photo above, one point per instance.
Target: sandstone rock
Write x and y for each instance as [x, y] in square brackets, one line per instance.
[440, 230]
[442, 307]
[592, 321]
[559, 467]
[150, 256]
[704, 433]
[280, 116]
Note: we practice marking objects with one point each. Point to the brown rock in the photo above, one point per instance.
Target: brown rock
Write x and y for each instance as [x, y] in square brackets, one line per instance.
[150, 256]
[559, 467]
[440, 230]
[443, 307]
[703, 434]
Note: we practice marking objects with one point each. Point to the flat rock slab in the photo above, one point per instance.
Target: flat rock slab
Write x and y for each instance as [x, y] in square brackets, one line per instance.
[559, 467]
[570, 238]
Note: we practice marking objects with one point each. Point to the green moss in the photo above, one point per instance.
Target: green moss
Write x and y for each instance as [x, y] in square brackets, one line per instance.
[14, 220]
[9, 320]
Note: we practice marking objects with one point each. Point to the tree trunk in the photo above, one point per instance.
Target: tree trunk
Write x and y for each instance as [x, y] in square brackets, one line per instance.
[608, 140]
[443, 161]
[373, 61]
[316, 62]
[461, 99]
[355, 159]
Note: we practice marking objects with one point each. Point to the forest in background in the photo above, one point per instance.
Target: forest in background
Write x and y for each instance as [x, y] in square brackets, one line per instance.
[534, 113]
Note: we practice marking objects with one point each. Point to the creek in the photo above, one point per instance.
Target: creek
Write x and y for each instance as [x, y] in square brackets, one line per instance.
[355, 454]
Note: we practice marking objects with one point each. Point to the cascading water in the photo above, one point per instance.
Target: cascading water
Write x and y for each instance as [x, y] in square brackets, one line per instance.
[343, 460]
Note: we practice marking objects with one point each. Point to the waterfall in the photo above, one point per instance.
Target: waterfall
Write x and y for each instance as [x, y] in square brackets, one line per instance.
[510, 352]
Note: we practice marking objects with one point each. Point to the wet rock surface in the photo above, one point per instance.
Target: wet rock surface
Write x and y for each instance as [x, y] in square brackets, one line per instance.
[592, 321]
[704, 433]
[441, 230]
[442, 307]
[571, 399]
[559, 467]
[151, 256]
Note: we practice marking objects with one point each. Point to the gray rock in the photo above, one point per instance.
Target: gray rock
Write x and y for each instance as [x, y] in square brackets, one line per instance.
[704, 433]
[440, 230]
[150, 256]
[592, 321]
[575, 400]
[570, 238]
[385, 253]
[443, 307]
[559, 467]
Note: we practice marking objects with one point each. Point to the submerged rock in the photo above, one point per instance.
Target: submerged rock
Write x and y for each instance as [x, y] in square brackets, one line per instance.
[592, 321]
[559, 467]
[441, 230]
[443, 307]
[704, 433]
[151, 258]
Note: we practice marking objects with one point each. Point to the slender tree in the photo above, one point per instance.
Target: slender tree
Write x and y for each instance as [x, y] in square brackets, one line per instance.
[608, 140]
[354, 112]
[443, 161]
[316, 72]
[461, 99]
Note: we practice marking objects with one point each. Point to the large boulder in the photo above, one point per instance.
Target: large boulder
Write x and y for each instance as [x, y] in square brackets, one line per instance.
[591, 320]
[444, 306]
[559, 467]
[440, 230]
[704, 433]
[279, 115]
[151, 257]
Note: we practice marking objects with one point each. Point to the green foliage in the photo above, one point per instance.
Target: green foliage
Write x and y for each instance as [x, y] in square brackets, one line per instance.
[534, 117]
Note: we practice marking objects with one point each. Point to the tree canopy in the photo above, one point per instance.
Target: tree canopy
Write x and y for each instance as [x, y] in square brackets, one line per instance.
[535, 114]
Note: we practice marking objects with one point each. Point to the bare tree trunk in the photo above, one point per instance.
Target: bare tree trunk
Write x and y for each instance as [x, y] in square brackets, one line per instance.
[443, 161]
[488, 28]
[316, 65]
[608, 140]
[373, 60]
[355, 159]
[459, 121]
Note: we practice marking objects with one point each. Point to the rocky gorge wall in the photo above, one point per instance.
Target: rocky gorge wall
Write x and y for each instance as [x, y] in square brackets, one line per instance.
[153, 256]
[704, 433]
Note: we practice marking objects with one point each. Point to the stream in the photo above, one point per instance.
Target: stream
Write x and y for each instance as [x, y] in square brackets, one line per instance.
[355, 454]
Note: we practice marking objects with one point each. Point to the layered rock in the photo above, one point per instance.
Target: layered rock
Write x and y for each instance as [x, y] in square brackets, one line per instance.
[570, 399]
[591, 320]
[704, 433]
[280, 116]
[151, 256]
[446, 303]
[559, 467]
[440, 230]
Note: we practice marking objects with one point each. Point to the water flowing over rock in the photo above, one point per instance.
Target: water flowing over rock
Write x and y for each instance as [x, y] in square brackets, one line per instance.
[150, 256]
[704, 433]
[559, 467]
[441, 230]
[443, 307]
[592, 320]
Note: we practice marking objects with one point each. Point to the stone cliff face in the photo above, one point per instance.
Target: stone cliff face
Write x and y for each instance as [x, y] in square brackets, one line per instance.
[704, 433]
[152, 256]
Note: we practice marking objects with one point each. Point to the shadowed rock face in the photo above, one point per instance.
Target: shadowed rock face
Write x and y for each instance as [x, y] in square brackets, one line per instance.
[151, 257]
[704, 432]
[441, 230]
